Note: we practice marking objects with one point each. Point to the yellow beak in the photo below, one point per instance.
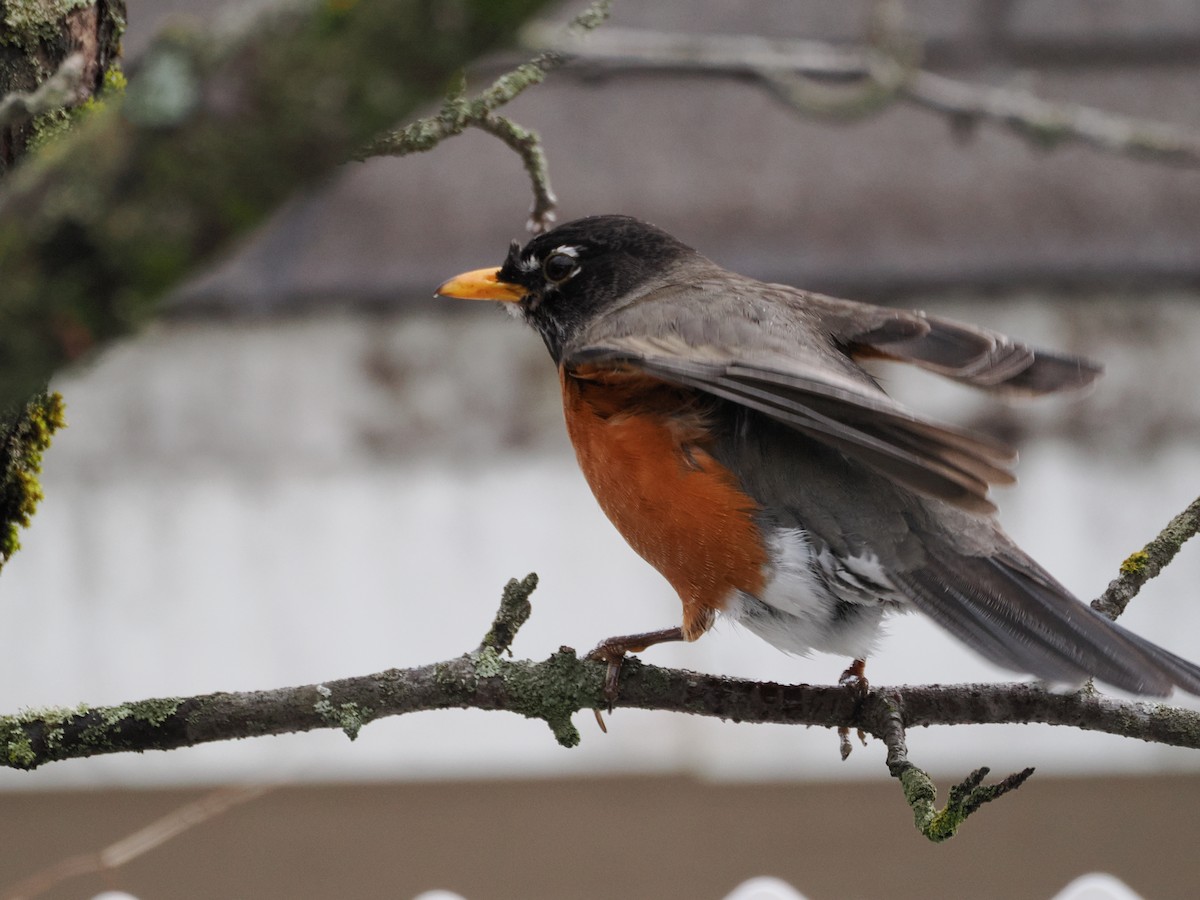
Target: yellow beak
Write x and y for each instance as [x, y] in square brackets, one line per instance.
[481, 284]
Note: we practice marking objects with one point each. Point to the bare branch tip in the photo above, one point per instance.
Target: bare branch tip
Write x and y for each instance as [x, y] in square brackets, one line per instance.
[591, 18]
[920, 792]
[514, 612]
[1142, 565]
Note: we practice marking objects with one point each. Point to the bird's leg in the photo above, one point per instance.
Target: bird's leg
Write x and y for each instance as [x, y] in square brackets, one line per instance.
[855, 678]
[613, 650]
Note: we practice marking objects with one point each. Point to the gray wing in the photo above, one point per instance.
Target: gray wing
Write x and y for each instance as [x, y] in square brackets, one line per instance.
[790, 355]
[938, 460]
[976, 356]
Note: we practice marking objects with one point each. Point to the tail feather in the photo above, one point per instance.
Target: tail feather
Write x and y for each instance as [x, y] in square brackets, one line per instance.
[1016, 615]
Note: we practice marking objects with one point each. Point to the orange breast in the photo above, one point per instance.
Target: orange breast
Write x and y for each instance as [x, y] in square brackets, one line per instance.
[641, 446]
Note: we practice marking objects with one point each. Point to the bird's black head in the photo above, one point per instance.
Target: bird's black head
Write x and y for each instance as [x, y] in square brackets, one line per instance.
[562, 279]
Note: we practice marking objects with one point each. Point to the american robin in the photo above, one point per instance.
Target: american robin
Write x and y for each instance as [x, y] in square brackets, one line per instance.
[728, 431]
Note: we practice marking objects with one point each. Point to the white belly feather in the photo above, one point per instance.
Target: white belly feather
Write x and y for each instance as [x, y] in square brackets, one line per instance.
[817, 601]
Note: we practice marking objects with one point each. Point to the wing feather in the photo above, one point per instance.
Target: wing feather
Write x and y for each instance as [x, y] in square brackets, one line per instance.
[790, 355]
[976, 356]
[934, 459]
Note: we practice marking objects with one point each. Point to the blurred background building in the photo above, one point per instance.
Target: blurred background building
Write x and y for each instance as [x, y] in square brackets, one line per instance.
[311, 469]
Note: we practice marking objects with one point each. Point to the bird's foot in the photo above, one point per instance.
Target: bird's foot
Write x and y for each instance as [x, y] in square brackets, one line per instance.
[855, 678]
[844, 744]
[613, 651]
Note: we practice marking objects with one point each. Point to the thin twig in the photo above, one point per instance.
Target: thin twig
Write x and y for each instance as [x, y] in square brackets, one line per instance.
[891, 731]
[458, 114]
[1047, 123]
[129, 848]
[779, 66]
[920, 792]
[515, 610]
[1146, 563]
[890, 59]
[528, 145]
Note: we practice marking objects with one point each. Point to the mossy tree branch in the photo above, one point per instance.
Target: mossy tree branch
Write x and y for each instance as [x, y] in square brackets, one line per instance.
[209, 139]
[1146, 563]
[555, 688]
[920, 792]
[459, 113]
[59, 90]
[24, 437]
[52, 56]
[212, 137]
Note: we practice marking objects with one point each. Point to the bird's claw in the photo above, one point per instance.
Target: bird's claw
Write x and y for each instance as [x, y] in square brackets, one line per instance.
[613, 657]
[613, 653]
[854, 678]
[844, 744]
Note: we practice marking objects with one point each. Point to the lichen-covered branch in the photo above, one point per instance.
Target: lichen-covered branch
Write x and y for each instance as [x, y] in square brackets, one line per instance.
[920, 792]
[515, 610]
[816, 78]
[459, 113]
[211, 137]
[554, 689]
[1146, 563]
[526, 144]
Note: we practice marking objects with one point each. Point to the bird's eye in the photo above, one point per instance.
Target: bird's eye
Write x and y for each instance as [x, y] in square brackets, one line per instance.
[558, 267]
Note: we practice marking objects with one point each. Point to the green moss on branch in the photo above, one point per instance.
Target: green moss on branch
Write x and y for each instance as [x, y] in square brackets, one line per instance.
[21, 447]
[208, 141]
